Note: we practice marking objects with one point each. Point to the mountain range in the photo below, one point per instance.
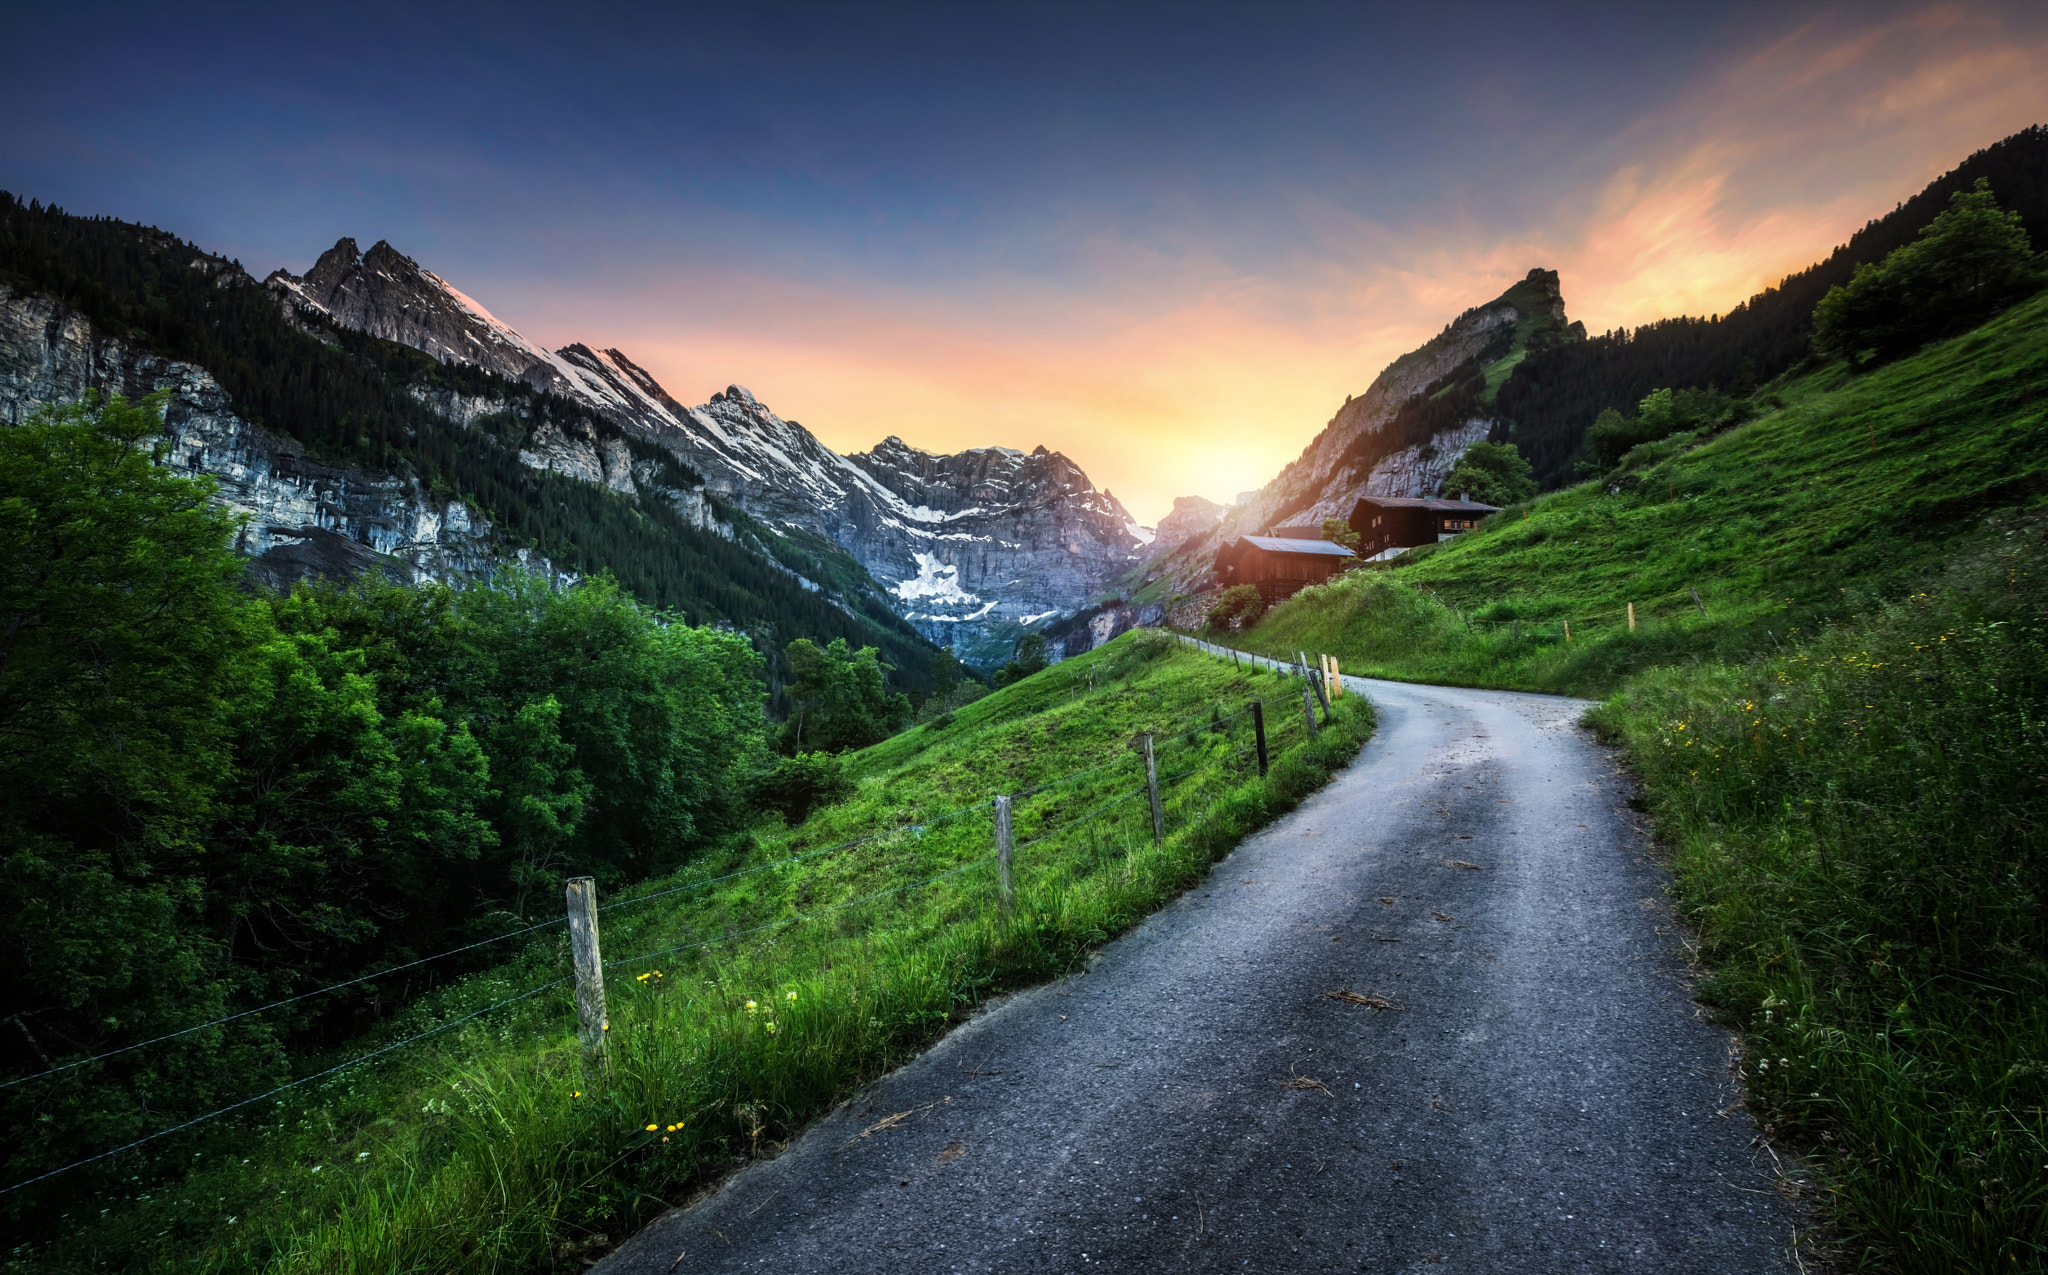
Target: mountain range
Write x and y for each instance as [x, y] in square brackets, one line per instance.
[972, 548]
[371, 415]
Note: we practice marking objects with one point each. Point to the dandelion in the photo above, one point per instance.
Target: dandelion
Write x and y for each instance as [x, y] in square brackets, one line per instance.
[651, 1128]
[577, 1094]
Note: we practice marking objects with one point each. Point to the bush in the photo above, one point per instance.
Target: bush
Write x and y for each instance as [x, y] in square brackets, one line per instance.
[1239, 607]
[1494, 474]
[1031, 658]
[802, 783]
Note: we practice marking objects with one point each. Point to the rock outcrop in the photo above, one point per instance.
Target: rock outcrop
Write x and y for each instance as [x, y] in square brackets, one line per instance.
[301, 517]
[981, 545]
[1399, 438]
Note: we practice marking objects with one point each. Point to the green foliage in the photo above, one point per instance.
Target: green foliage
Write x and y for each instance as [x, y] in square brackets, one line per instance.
[1239, 606]
[1661, 414]
[1967, 262]
[1554, 395]
[799, 784]
[492, 1134]
[210, 799]
[1857, 833]
[1492, 473]
[839, 697]
[1031, 658]
[1339, 532]
[945, 672]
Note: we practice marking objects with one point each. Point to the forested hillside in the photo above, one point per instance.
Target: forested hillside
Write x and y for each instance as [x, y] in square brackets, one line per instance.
[1551, 399]
[360, 401]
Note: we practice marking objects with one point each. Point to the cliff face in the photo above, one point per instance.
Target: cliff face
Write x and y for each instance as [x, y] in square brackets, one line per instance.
[1399, 438]
[982, 545]
[972, 548]
[302, 517]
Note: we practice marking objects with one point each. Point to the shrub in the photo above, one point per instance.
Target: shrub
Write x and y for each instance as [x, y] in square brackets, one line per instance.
[799, 784]
[1240, 606]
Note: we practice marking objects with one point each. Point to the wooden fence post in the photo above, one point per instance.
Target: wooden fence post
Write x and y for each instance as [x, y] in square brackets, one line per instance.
[1259, 733]
[1006, 896]
[1308, 710]
[1696, 601]
[1631, 617]
[1322, 698]
[1567, 632]
[1152, 790]
[591, 1022]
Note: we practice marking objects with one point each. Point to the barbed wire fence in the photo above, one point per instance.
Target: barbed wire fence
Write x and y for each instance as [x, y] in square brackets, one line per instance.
[1155, 803]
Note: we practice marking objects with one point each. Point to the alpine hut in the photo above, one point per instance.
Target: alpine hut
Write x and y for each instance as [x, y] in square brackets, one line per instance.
[1388, 524]
[1279, 567]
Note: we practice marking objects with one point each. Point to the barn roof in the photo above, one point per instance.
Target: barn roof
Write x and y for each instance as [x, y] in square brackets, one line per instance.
[1442, 506]
[1275, 544]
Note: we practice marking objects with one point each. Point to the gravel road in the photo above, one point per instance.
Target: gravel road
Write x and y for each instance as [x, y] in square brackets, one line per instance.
[1545, 1097]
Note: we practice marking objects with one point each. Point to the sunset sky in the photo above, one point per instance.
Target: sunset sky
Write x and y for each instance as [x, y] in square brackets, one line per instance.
[1166, 240]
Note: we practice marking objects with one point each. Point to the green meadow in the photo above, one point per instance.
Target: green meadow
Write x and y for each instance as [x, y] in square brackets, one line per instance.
[748, 993]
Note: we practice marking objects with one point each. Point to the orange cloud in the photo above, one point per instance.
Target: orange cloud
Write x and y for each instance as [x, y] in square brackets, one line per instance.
[1177, 373]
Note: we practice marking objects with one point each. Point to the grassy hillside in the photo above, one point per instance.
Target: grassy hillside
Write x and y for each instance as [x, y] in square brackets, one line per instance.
[1554, 395]
[1818, 510]
[753, 991]
[1846, 755]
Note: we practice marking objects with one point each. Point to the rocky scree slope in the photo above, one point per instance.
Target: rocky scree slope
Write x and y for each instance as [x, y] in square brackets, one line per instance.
[972, 549]
[1399, 438]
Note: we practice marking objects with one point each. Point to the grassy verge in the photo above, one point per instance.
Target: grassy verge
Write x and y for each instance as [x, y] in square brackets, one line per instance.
[1847, 755]
[1857, 829]
[487, 1147]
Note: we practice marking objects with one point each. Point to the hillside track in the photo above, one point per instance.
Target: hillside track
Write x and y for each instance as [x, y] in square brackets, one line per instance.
[1546, 1096]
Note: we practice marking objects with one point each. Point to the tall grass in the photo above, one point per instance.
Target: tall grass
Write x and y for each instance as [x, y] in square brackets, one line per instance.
[1858, 830]
[495, 1151]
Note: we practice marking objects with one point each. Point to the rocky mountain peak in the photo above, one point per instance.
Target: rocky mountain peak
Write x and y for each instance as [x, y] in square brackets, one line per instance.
[1400, 437]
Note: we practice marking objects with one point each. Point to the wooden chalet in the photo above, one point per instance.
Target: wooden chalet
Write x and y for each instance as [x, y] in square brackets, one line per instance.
[1388, 524]
[1279, 567]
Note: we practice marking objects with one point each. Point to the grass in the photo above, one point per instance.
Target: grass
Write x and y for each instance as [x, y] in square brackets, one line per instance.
[489, 1148]
[1846, 755]
[1856, 829]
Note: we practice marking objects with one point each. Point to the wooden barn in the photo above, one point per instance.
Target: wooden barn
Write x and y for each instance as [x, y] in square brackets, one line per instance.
[1388, 524]
[1279, 567]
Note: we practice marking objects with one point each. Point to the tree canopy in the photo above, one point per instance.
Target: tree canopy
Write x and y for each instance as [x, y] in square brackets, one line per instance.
[212, 797]
[1966, 263]
[1492, 473]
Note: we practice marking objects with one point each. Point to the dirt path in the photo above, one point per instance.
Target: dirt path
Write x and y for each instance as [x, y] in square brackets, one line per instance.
[1545, 1098]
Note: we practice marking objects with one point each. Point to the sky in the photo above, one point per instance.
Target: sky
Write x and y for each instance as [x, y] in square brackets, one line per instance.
[1165, 239]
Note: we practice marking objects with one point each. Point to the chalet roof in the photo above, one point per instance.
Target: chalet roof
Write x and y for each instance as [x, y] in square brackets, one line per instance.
[1442, 506]
[1274, 544]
